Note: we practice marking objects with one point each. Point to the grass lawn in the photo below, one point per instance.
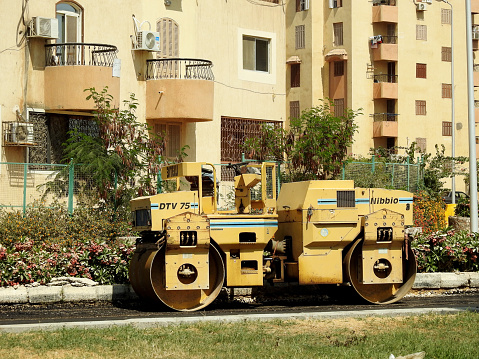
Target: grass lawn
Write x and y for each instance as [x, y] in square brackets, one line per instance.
[440, 336]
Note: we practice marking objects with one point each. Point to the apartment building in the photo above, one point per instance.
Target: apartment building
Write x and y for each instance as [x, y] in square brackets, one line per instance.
[206, 72]
[392, 58]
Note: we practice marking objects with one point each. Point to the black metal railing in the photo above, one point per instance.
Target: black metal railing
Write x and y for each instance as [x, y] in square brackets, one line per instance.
[72, 53]
[390, 39]
[380, 117]
[386, 78]
[175, 68]
[384, 2]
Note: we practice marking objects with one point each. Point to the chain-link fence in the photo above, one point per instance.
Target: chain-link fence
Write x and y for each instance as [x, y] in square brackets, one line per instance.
[26, 185]
[406, 176]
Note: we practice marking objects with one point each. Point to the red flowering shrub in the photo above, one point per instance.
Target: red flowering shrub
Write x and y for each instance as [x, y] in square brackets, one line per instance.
[429, 213]
[49, 243]
[447, 252]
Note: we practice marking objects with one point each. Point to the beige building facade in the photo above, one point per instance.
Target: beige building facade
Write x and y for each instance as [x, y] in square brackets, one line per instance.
[207, 73]
[390, 58]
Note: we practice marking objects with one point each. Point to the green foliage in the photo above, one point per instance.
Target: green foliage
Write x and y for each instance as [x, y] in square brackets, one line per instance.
[48, 243]
[428, 212]
[447, 251]
[314, 146]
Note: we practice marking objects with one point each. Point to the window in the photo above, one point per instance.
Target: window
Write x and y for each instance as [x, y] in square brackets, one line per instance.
[294, 109]
[335, 4]
[302, 5]
[446, 91]
[421, 71]
[255, 54]
[446, 16]
[420, 107]
[69, 18]
[446, 128]
[338, 34]
[169, 40]
[295, 75]
[339, 107]
[338, 68]
[172, 132]
[446, 54]
[421, 144]
[299, 34]
[51, 131]
[421, 32]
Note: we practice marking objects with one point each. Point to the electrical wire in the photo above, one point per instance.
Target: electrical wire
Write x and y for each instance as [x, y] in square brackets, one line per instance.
[20, 22]
[253, 91]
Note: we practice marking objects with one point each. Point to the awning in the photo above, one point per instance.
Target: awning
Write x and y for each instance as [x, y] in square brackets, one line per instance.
[336, 55]
[293, 60]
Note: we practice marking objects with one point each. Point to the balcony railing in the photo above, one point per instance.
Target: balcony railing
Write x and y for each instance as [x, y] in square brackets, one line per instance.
[174, 68]
[379, 117]
[384, 2]
[69, 54]
[390, 39]
[385, 78]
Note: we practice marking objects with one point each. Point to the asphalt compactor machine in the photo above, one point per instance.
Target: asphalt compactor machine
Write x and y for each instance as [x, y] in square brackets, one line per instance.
[315, 232]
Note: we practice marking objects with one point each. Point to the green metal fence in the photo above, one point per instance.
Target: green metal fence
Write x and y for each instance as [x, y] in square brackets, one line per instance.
[406, 176]
[26, 185]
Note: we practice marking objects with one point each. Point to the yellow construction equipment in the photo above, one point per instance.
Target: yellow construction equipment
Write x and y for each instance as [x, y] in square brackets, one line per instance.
[315, 232]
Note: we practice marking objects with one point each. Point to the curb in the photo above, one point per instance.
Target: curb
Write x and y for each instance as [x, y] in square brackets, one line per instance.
[69, 293]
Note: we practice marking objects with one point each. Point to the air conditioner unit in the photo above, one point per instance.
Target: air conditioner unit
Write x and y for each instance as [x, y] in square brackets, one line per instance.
[21, 132]
[421, 7]
[427, 1]
[44, 27]
[475, 35]
[147, 40]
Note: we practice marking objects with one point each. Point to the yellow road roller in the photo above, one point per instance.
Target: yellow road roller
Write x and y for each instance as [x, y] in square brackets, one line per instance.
[314, 232]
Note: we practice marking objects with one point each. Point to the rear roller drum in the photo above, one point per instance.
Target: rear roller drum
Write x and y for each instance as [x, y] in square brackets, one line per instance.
[147, 276]
[380, 293]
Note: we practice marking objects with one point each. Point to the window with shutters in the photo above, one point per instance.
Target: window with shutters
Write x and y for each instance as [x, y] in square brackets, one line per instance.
[446, 128]
[446, 91]
[255, 54]
[295, 75]
[446, 54]
[335, 4]
[421, 144]
[294, 109]
[172, 134]
[338, 68]
[339, 107]
[421, 71]
[421, 32]
[338, 34]
[169, 38]
[446, 16]
[420, 107]
[299, 35]
[302, 5]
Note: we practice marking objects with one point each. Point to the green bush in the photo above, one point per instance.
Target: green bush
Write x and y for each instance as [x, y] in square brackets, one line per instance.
[447, 252]
[48, 243]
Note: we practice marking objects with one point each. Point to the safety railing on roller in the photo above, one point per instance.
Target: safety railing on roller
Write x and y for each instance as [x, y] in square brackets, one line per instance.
[80, 54]
[176, 68]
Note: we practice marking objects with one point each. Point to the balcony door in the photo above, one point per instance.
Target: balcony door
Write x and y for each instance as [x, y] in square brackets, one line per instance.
[69, 31]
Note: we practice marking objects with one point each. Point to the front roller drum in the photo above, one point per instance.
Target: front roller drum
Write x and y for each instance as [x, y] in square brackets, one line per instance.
[384, 293]
[147, 277]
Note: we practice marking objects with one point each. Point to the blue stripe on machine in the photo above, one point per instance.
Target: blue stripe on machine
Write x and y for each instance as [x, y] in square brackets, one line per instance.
[405, 200]
[325, 201]
[194, 205]
[362, 200]
[154, 206]
[236, 224]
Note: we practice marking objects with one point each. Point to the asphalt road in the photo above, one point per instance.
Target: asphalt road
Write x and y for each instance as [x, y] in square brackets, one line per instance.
[223, 307]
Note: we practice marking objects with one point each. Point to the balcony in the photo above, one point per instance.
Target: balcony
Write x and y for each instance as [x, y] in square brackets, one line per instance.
[385, 125]
[475, 6]
[476, 75]
[179, 89]
[385, 11]
[385, 87]
[70, 68]
[387, 50]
